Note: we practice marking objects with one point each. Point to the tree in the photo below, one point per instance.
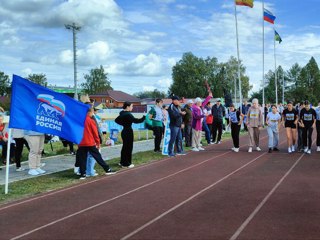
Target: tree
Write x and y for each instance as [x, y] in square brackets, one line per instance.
[96, 81]
[40, 79]
[4, 84]
[150, 94]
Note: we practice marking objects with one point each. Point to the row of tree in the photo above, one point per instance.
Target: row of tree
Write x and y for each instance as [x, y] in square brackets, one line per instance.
[299, 84]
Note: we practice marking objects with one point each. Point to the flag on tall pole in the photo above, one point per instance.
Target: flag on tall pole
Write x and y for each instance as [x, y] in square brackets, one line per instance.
[277, 37]
[268, 16]
[247, 3]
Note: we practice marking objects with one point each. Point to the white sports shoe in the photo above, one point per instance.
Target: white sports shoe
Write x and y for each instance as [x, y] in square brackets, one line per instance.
[236, 149]
[258, 149]
[318, 149]
[195, 149]
[20, 169]
[293, 148]
[131, 166]
[33, 172]
[289, 150]
[250, 149]
[40, 171]
[309, 151]
[200, 148]
[305, 150]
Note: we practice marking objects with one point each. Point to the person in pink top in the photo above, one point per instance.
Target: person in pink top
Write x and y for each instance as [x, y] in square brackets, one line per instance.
[197, 118]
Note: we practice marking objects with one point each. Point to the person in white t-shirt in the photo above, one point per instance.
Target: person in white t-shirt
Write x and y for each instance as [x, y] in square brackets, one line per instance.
[273, 121]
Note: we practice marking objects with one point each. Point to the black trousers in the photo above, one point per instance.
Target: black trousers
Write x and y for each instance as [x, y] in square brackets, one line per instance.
[188, 135]
[82, 155]
[307, 136]
[216, 126]
[235, 131]
[126, 151]
[318, 132]
[300, 138]
[157, 132]
[19, 148]
[67, 143]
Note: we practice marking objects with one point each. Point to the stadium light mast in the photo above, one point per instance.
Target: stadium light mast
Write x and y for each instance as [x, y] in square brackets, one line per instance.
[74, 29]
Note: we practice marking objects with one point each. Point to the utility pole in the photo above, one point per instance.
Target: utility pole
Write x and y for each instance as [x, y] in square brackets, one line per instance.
[74, 29]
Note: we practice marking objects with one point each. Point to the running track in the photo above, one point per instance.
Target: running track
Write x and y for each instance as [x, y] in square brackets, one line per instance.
[212, 194]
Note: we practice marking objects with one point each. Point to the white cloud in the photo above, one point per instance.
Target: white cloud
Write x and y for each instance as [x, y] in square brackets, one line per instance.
[27, 71]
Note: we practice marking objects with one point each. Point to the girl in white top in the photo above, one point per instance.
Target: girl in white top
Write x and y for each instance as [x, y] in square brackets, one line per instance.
[273, 121]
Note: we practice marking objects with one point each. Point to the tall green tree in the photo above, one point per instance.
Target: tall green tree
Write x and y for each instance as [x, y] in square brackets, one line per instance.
[96, 81]
[4, 84]
[40, 79]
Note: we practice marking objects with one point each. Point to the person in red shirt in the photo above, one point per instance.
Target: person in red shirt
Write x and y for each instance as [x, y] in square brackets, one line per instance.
[90, 143]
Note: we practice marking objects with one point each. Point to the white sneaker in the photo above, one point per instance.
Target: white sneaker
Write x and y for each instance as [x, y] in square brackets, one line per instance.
[33, 172]
[40, 171]
[293, 148]
[309, 151]
[200, 148]
[250, 149]
[195, 149]
[236, 149]
[289, 150]
[318, 149]
[258, 149]
[131, 165]
[305, 150]
[20, 169]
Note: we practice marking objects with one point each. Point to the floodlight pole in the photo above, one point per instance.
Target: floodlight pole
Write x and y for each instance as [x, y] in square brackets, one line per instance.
[74, 29]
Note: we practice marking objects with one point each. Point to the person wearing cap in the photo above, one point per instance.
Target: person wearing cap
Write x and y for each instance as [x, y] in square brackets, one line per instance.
[289, 120]
[197, 119]
[175, 115]
[254, 123]
[187, 121]
[218, 113]
[307, 120]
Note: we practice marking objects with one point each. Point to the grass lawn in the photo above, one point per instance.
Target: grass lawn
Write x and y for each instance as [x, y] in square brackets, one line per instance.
[46, 183]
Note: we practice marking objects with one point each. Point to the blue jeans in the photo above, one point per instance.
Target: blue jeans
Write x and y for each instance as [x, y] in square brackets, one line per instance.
[90, 165]
[273, 134]
[175, 138]
[207, 131]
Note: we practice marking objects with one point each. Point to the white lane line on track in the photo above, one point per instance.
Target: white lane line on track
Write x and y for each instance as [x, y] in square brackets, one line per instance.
[93, 181]
[258, 208]
[189, 199]
[114, 198]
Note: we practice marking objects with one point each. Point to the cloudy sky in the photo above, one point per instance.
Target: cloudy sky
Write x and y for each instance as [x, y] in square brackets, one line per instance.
[139, 41]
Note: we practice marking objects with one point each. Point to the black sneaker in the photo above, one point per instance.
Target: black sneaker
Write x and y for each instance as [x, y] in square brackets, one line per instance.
[110, 172]
[275, 149]
[270, 150]
[82, 177]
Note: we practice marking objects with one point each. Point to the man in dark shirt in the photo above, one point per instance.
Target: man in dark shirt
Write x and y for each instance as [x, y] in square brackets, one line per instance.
[175, 115]
[218, 113]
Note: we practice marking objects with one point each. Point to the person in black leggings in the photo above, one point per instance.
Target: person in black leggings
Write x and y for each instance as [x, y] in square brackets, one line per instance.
[126, 119]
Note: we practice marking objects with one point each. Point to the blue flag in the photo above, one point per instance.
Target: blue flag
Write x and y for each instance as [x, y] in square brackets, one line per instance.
[34, 107]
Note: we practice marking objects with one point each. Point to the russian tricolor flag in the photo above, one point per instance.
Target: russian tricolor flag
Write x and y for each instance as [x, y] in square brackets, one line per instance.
[268, 16]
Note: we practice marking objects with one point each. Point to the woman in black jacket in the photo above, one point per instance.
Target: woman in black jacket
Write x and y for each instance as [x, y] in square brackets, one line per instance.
[126, 119]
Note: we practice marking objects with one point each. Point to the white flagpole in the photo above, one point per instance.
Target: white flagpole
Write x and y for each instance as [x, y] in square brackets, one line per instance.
[8, 163]
[275, 69]
[238, 53]
[263, 80]
[283, 87]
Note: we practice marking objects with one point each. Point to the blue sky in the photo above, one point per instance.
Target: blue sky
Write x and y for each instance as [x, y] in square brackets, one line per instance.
[138, 41]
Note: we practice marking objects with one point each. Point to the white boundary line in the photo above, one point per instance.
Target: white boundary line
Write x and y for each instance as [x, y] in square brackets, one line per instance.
[134, 190]
[189, 199]
[93, 181]
[258, 208]
[114, 198]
